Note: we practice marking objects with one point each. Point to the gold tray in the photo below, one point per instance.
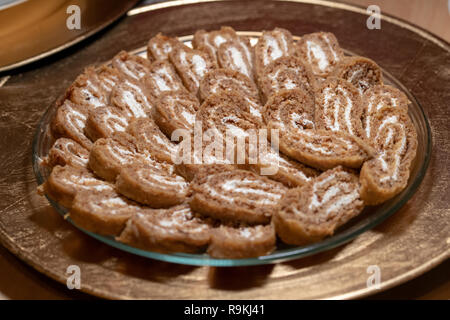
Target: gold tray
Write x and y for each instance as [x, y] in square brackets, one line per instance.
[407, 244]
[32, 30]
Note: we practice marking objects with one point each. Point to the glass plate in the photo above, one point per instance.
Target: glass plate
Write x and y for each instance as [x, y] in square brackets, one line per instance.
[369, 218]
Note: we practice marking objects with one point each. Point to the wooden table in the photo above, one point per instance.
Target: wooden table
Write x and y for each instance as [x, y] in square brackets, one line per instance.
[19, 281]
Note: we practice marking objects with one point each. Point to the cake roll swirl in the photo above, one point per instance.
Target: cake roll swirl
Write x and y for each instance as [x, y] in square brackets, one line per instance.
[339, 107]
[151, 185]
[132, 99]
[162, 78]
[176, 229]
[229, 242]
[396, 141]
[237, 195]
[362, 72]
[271, 46]
[131, 66]
[230, 113]
[290, 112]
[70, 121]
[192, 65]
[227, 80]
[67, 152]
[314, 211]
[377, 98]
[321, 51]
[152, 139]
[93, 87]
[290, 108]
[64, 182]
[210, 42]
[175, 110]
[104, 121]
[286, 73]
[160, 46]
[278, 167]
[238, 56]
[109, 155]
[104, 213]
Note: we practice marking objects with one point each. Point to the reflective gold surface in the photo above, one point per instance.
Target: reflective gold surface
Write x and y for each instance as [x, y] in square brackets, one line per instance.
[409, 243]
[35, 29]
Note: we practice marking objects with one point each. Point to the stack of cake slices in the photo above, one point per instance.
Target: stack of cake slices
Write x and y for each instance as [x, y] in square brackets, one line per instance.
[225, 147]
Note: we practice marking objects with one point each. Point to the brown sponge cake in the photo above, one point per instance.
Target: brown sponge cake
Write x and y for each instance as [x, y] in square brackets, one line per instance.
[237, 195]
[160, 46]
[321, 51]
[271, 46]
[70, 121]
[237, 55]
[339, 107]
[67, 152]
[314, 211]
[105, 212]
[109, 155]
[396, 141]
[151, 139]
[176, 229]
[227, 80]
[104, 121]
[64, 183]
[175, 110]
[286, 73]
[130, 66]
[362, 72]
[151, 185]
[377, 98]
[192, 65]
[241, 241]
[132, 99]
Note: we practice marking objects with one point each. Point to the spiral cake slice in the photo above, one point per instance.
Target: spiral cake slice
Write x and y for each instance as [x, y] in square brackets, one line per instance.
[192, 65]
[132, 99]
[109, 155]
[105, 212]
[286, 73]
[396, 141]
[237, 195]
[133, 67]
[280, 168]
[104, 121]
[238, 56]
[227, 80]
[64, 183]
[151, 185]
[362, 72]
[67, 152]
[314, 211]
[242, 241]
[92, 88]
[211, 41]
[175, 229]
[271, 46]
[290, 112]
[339, 107]
[152, 139]
[175, 110]
[321, 51]
[162, 78]
[377, 98]
[70, 121]
[160, 46]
